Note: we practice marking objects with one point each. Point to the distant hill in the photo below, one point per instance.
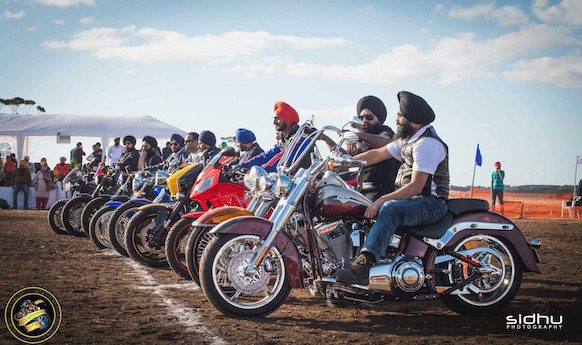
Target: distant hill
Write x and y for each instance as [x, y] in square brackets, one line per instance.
[530, 188]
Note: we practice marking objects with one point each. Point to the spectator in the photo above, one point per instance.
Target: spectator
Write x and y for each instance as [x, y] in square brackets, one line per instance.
[497, 185]
[43, 184]
[167, 151]
[95, 157]
[114, 152]
[20, 181]
[247, 143]
[9, 168]
[1, 171]
[207, 144]
[62, 169]
[77, 155]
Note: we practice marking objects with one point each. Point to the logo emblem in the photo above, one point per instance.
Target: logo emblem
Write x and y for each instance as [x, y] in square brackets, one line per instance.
[33, 315]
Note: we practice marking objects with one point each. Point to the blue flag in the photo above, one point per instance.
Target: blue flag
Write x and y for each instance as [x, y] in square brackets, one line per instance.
[478, 158]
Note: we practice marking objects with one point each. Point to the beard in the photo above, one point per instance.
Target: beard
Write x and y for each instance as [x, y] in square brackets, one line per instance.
[404, 131]
[372, 128]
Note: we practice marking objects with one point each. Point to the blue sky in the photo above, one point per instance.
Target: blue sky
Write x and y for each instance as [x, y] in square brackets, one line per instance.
[506, 75]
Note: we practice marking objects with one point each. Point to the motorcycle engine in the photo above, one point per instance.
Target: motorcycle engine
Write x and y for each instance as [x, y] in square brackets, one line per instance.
[339, 242]
[403, 273]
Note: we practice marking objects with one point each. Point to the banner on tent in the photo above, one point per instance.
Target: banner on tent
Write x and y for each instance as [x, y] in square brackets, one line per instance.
[63, 138]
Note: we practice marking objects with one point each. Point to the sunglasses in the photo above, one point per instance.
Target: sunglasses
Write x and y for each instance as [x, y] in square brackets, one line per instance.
[188, 141]
[174, 144]
[368, 117]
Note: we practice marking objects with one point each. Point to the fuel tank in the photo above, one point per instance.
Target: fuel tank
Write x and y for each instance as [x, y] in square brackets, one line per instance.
[339, 202]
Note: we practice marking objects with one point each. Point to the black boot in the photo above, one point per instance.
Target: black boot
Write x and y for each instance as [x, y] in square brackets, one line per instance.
[358, 272]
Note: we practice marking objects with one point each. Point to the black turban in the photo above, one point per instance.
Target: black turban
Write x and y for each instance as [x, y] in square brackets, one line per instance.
[151, 141]
[178, 138]
[414, 108]
[375, 105]
[208, 138]
[129, 138]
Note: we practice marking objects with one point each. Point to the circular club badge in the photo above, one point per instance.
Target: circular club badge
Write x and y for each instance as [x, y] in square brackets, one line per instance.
[33, 315]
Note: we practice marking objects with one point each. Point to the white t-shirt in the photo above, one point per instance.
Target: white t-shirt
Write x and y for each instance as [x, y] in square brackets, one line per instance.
[427, 154]
[114, 153]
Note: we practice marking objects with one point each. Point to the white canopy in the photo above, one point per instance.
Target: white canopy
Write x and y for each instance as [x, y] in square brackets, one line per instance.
[105, 127]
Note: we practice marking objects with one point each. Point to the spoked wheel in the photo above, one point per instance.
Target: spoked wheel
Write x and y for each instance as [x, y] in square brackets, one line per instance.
[71, 216]
[500, 280]
[98, 230]
[139, 240]
[176, 243]
[119, 220]
[54, 218]
[89, 210]
[197, 242]
[233, 291]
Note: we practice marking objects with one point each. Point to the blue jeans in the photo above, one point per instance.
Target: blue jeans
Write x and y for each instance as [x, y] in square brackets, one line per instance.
[418, 210]
[16, 189]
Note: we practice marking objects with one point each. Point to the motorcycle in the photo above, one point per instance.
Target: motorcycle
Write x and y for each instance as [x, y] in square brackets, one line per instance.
[145, 233]
[472, 259]
[72, 182]
[72, 209]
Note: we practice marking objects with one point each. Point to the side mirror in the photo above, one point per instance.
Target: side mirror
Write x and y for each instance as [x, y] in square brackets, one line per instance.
[356, 122]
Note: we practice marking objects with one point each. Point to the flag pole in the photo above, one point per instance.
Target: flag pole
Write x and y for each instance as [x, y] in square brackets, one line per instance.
[575, 176]
[473, 180]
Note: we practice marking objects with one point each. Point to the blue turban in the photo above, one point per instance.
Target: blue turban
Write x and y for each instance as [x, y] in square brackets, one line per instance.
[207, 137]
[178, 138]
[244, 136]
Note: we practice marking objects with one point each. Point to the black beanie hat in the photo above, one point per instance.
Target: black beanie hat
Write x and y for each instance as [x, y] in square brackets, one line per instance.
[414, 108]
[207, 137]
[151, 141]
[129, 138]
[375, 105]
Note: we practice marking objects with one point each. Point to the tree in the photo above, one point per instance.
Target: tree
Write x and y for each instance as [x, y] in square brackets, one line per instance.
[40, 109]
[15, 103]
[28, 103]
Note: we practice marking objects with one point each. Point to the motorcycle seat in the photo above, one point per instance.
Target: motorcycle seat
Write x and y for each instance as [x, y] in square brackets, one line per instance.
[434, 230]
[460, 206]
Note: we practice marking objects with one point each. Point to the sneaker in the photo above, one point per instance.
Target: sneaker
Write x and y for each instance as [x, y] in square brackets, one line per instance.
[357, 273]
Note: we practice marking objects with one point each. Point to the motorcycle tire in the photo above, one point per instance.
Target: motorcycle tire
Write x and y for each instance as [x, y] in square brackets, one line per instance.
[71, 215]
[224, 304]
[54, 217]
[134, 240]
[175, 253]
[89, 210]
[460, 304]
[197, 242]
[98, 231]
[118, 240]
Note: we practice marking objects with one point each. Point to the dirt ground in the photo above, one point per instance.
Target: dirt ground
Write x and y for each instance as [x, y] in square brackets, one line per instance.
[107, 299]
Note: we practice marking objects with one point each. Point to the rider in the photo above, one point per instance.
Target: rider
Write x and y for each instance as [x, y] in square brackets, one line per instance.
[129, 157]
[422, 183]
[247, 143]
[191, 144]
[207, 144]
[378, 179]
[286, 124]
[176, 145]
[149, 155]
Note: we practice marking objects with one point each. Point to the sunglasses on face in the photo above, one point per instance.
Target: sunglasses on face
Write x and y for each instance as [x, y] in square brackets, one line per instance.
[174, 144]
[188, 141]
[368, 117]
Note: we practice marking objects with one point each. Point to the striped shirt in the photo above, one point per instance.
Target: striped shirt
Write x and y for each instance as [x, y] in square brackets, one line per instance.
[496, 181]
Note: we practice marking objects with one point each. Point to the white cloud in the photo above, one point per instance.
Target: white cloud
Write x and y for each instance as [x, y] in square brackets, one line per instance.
[58, 21]
[563, 71]
[452, 59]
[567, 12]
[160, 45]
[368, 11]
[65, 3]
[13, 15]
[86, 20]
[505, 15]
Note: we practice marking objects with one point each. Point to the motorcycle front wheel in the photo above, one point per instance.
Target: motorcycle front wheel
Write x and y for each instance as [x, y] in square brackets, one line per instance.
[119, 219]
[176, 243]
[89, 210]
[233, 291]
[138, 244]
[54, 218]
[71, 215]
[98, 230]
[197, 242]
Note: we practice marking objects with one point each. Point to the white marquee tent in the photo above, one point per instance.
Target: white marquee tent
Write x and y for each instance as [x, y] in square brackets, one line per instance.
[105, 127]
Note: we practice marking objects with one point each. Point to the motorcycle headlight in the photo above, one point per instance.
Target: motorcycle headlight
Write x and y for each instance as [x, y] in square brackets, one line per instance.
[283, 185]
[266, 182]
[137, 182]
[204, 184]
[252, 178]
[161, 177]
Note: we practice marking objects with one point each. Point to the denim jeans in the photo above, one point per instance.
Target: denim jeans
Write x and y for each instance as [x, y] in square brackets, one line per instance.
[16, 189]
[418, 210]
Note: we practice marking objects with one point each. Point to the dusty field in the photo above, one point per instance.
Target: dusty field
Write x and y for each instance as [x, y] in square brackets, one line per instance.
[107, 299]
